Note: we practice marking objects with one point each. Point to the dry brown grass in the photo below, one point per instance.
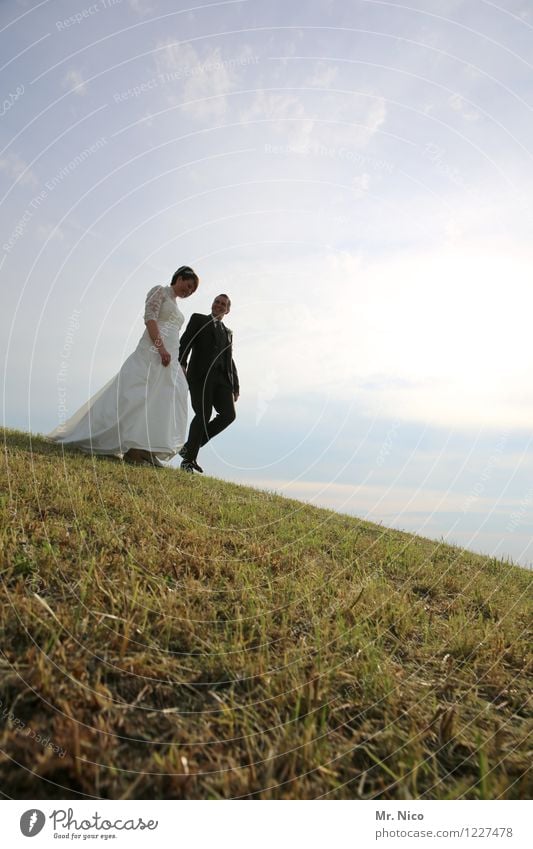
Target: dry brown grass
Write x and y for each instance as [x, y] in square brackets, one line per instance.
[180, 637]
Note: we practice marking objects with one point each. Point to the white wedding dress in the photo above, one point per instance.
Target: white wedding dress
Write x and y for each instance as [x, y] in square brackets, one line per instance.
[145, 404]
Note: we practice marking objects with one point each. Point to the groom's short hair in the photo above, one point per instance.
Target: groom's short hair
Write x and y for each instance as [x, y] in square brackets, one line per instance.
[227, 297]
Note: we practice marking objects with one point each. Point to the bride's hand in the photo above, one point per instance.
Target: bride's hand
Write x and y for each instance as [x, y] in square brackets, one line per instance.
[165, 356]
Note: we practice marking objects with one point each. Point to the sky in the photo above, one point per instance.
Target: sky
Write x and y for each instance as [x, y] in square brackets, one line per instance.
[357, 176]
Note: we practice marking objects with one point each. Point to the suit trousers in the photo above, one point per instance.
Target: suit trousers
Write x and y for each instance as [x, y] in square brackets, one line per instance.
[215, 390]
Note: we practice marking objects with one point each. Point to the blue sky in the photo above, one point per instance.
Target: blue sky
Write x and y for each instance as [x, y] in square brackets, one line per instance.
[357, 176]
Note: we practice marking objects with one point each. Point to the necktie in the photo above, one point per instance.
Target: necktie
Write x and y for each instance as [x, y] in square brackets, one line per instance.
[220, 344]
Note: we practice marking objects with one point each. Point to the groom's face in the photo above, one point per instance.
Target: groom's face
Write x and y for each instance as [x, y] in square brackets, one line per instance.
[220, 306]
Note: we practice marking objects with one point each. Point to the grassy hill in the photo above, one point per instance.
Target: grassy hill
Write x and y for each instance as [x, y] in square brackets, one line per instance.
[170, 636]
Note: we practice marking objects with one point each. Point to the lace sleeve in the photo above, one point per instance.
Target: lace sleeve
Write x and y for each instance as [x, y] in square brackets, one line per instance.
[154, 299]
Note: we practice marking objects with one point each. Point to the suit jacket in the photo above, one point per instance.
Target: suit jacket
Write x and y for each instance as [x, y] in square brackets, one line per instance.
[200, 343]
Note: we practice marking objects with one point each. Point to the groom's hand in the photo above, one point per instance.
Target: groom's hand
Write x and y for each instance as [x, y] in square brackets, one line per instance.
[235, 397]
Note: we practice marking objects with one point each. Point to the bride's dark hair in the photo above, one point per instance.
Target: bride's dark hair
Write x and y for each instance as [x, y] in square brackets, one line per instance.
[186, 273]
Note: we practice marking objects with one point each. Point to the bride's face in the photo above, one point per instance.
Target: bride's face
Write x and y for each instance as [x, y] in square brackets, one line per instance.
[183, 288]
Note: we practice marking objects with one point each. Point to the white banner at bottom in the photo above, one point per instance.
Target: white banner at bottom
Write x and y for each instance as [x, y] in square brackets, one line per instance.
[262, 824]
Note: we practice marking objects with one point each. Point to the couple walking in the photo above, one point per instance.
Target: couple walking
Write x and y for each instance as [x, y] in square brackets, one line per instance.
[141, 414]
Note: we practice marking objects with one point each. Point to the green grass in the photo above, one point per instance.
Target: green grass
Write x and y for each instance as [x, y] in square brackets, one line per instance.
[175, 636]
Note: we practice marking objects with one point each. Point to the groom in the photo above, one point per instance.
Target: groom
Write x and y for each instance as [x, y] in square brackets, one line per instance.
[212, 378]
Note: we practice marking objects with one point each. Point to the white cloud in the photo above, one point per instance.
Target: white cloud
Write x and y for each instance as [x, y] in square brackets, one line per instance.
[141, 7]
[440, 336]
[287, 113]
[444, 338]
[460, 105]
[376, 115]
[361, 184]
[200, 80]
[366, 114]
[74, 81]
[323, 75]
[47, 231]
[334, 119]
[17, 169]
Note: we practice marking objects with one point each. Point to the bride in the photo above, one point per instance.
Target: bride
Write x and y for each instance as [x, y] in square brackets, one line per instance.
[141, 414]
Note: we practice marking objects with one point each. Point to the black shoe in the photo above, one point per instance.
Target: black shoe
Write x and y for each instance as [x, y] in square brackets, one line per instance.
[193, 463]
[187, 466]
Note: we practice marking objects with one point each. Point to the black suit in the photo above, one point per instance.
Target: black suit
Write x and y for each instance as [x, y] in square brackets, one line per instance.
[212, 377]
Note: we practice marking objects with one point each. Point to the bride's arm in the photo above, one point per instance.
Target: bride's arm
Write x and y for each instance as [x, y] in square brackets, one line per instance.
[153, 332]
[151, 314]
